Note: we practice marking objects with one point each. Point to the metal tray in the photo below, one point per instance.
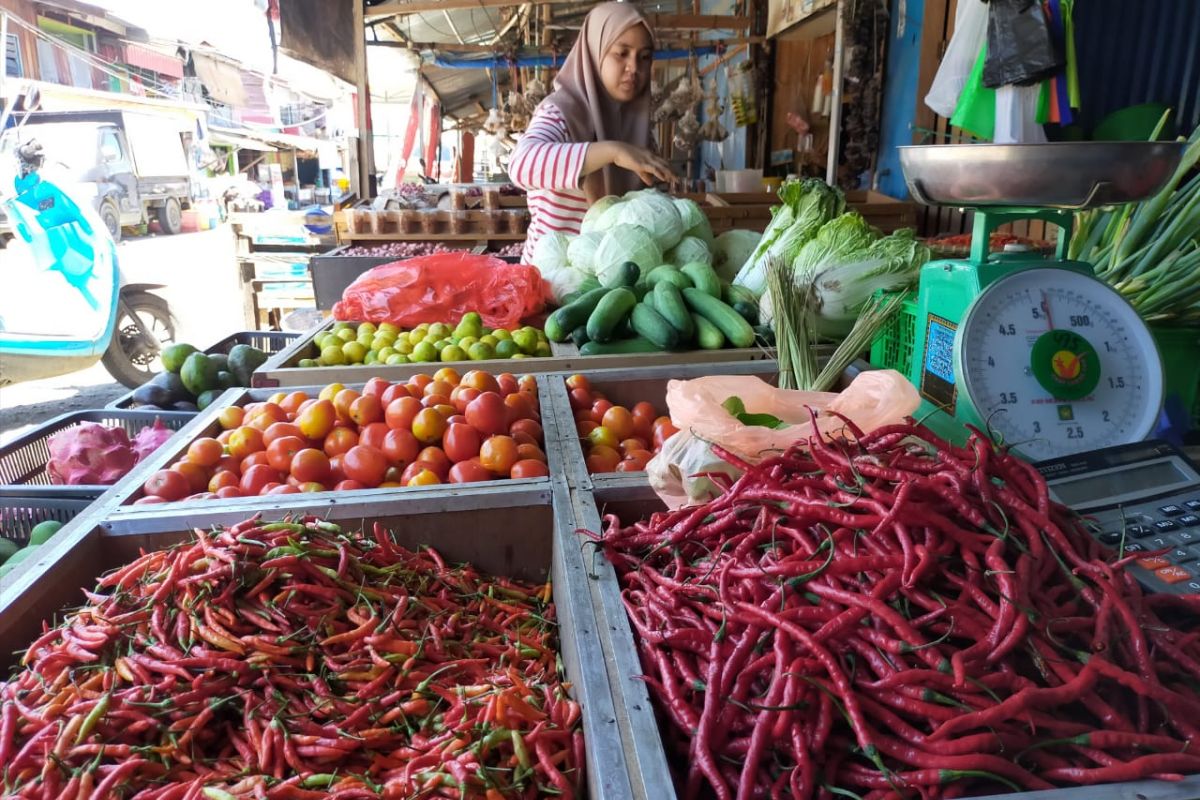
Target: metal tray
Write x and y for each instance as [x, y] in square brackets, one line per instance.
[1067, 175]
[531, 535]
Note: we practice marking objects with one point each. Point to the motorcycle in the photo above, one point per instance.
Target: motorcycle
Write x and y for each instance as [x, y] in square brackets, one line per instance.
[65, 304]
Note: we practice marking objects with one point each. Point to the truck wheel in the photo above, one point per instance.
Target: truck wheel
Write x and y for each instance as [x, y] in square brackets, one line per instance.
[170, 217]
[112, 220]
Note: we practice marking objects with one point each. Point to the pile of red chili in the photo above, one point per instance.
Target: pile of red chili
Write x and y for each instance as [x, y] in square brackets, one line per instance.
[292, 660]
[883, 614]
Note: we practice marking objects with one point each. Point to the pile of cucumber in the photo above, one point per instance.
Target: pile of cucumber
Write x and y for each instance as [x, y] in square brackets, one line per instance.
[683, 308]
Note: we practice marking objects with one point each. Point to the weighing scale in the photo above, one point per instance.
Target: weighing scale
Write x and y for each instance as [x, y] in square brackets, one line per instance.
[1034, 349]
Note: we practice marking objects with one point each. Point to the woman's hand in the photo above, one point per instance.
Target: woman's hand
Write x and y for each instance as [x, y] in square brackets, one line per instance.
[643, 163]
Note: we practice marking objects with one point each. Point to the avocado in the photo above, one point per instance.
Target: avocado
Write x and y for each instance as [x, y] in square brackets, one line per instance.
[7, 548]
[184, 405]
[21, 555]
[225, 380]
[205, 399]
[199, 374]
[173, 384]
[243, 360]
[221, 359]
[174, 356]
[42, 532]
[151, 394]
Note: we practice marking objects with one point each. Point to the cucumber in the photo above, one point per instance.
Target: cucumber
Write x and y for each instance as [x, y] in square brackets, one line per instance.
[669, 274]
[622, 347]
[703, 277]
[609, 312]
[668, 301]
[708, 336]
[650, 325]
[566, 319]
[579, 336]
[741, 300]
[731, 324]
[627, 275]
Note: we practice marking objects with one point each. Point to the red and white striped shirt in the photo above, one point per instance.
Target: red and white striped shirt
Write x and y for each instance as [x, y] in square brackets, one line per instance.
[547, 165]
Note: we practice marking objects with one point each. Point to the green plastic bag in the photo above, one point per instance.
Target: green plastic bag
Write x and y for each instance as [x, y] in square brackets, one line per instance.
[976, 109]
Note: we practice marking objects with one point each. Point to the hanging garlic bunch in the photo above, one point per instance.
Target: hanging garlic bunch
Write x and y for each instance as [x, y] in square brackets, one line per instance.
[680, 100]
[496, 122]
[535, 93]
[712, 130]
[687, 131]
[517, 110]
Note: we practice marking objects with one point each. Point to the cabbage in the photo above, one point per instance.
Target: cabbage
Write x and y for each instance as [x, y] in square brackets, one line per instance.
[599, 209]
[626, 243]
[837, 241]
[694, 221]
[550, 253]
[581, 252]
[653, 211]
[807, 205]
[564, 281]
[731, 249]
[688, 250]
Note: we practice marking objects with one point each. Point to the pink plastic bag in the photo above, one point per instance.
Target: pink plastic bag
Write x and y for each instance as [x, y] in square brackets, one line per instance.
[441, 288]
[874, 398]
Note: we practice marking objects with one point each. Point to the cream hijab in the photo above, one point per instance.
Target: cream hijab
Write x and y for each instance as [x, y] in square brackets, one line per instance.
[590, 113]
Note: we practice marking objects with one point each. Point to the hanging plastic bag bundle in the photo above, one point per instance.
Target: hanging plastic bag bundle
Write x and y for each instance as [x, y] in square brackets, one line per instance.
[1021, 50]
[753, 420]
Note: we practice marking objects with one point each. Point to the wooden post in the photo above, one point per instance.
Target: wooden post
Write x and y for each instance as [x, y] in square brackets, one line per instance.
[835, 114]
[466, 157]
[366, 160]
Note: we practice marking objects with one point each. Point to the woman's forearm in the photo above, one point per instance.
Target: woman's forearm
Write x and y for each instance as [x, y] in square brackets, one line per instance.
[599, 155]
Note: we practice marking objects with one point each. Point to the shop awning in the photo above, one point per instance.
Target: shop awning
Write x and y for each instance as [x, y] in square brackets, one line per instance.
[227, 138]
[221, 79]
[146, 58]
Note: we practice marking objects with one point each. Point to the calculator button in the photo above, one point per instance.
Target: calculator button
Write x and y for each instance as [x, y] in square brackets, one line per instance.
[1192, 505]
[1187, 537]
[1189, 520]
[1164, 525]
[1159, 542]
[1139, 531]
[1171, 510]
[1153, 562]
[1134, 547]
[1182, 555]
[1110, 537]
[1194, 586]
[1172, 574]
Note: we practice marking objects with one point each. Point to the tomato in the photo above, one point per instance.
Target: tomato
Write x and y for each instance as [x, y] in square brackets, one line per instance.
[365, 465]
[280, 489]
[205, 452]
[435, 400]
[229, 464]
[148, 500]
[662, 433]
[428, 426]
[393, 393]
[598, 395]
[585, 428]
[347, 486]
[330, 391]
[527, 383]
[530, 451]
[529, 468]
[229, 491]
[462, 396]
[424, 478]
[253, 460]
[633, 443]
[224, 436]
[461, 442]
[418, 382]
[375, 388]
[282, 450]
[603, 436]
[291, 402]
[487, 414]
[312, 486]
[197, 476]
[244, 441]
[400, 447]
[292, 481]
[400, 412]
[469, 471]
[277, 398]
[167, 484]
[457, 419]
[338, 441]
[448, 375]
[435, 458]
[257, 477]
[508, 383]
[336, 473]
[365, 410]
[231, 417]
[316, 421]
[527, 426]
[618, 420]
[580, 399]
[411, 471]
[280, 429]
[372, 435]
[342, 402]
[644, 415]
[635, 461]
[600, 408]
[659, 422]
[480, 381]
[310, 465]
[437, 387]
[585, 415]
[268, 414]
[579, 382]
[520, 406]
[498, 454]
[602, 458]
[222, 479]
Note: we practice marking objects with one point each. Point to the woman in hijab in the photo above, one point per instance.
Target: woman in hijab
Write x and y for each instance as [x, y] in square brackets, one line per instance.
[590, 137]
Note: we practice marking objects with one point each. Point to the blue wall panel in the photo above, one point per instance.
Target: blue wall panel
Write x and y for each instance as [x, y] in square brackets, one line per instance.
[899, 92]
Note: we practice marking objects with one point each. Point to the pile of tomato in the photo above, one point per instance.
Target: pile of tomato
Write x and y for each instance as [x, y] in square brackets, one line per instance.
[615, 438]
[432, 429]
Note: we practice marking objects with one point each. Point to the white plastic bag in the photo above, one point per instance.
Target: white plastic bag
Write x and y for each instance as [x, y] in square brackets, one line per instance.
[1016, 115]
[970, 33]
[874, 398]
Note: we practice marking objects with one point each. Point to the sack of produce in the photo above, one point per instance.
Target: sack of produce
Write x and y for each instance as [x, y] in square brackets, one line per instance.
[752, 420]
[443, 286]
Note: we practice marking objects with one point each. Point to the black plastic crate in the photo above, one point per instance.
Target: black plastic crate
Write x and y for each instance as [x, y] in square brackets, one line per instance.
[270, 342]
[23, 460]
[21, 513]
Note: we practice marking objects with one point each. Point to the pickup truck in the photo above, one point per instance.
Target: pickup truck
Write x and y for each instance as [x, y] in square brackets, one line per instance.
[132, 166]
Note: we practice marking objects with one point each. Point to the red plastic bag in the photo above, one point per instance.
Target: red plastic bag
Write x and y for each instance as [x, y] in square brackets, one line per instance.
[441, 288]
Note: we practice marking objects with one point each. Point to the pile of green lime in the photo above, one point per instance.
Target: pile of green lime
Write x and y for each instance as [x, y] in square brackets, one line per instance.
[12, 554]
[469, 340]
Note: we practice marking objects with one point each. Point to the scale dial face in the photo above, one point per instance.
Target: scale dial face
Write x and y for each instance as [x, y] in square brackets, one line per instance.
[1059, 363]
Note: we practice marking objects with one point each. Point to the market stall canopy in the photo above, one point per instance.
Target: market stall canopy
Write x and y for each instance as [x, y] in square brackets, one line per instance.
[321, 33]
[221, 79]
[228, 138]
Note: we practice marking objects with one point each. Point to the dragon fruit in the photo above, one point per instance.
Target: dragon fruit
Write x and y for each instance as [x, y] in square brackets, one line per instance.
[89, 454]
[150, 439]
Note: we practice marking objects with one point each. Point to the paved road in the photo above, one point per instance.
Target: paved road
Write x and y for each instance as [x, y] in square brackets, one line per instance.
[200, 274]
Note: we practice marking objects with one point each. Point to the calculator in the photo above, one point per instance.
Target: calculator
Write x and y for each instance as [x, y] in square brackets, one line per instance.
[1145, 493]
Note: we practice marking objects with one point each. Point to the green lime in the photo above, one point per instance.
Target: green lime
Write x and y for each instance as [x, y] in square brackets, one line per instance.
[7, 548]
[346, 335]
[397, 358]
[323, 340]
[473, 318]
[341, 326]
[332, 355]
[521, 355]
[355, 352]
[367, 327]
[440, 330]
[482, 351]
[466, 342]
[441, 344]
[384, 352]
[308, 363]
[543, 350]
[424, 352]
[506, 348]
[42, 532]
[365, 341]
[525, 339]
[372, 357]
[403, 346]
[379, 342]
[489, 340]
[500, 334]
[388, 327]
[453, 353]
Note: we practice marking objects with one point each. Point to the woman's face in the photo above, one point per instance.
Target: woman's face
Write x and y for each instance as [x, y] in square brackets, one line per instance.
[625, 69]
